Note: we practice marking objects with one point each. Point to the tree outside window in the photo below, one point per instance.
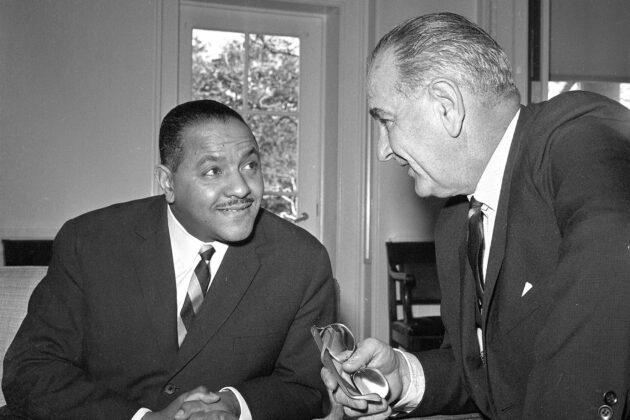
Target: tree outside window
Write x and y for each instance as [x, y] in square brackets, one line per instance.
[258, 75]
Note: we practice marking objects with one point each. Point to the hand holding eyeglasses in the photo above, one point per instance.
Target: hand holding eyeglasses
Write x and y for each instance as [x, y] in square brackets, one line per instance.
[336, 342]
[372, 355]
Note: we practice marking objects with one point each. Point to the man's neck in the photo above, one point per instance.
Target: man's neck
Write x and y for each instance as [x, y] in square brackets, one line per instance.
[490, 126]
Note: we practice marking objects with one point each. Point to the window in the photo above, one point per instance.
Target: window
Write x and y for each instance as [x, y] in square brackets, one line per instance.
[264, 66]
[617, 91]
[579, 45]
[258, 75]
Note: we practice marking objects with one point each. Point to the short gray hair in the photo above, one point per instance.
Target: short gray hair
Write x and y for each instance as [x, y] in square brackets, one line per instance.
[448, 45]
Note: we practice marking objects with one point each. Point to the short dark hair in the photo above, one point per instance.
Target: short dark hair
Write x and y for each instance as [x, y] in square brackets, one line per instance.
[182, 117]
[446, 44]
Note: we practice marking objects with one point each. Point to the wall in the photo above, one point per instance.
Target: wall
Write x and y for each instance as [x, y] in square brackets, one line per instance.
[77, 112]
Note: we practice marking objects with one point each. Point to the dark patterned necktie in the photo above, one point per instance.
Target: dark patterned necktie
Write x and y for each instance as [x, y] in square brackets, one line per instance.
[197, 289]
[476, 246]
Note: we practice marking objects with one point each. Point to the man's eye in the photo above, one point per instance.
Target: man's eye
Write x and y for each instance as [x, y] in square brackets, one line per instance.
[386, 123]
[212, 172]
[253, 165]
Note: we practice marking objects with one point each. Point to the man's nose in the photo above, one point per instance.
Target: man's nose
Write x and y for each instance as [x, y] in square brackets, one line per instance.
[384, 151]
[238, 186]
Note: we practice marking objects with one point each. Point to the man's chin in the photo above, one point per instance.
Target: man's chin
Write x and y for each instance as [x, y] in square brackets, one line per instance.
[237, 230]
[234, 235]
[422, 189]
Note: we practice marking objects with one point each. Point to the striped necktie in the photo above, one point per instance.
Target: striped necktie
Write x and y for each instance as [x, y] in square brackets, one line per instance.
[476, 247]
[197, 289]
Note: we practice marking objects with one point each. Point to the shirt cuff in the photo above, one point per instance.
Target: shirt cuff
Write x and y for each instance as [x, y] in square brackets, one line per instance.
[412, 396]
[140, 413]
[245, 413]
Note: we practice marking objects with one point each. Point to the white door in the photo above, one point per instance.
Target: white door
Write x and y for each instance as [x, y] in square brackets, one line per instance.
[267, 65]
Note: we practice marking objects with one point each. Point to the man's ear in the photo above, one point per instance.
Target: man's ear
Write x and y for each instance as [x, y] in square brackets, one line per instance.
[449, 104]
[165, 181]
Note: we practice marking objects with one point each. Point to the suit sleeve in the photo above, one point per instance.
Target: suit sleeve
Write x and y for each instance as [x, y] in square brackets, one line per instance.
[583, 350]
[444, 390]
[294, 390]
[45, 374]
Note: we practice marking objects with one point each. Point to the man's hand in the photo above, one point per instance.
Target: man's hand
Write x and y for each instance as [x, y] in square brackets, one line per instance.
[227, 408]
[378, 355]
[200, 394]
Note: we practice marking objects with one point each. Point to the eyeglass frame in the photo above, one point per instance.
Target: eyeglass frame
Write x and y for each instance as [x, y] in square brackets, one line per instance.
[327, 359]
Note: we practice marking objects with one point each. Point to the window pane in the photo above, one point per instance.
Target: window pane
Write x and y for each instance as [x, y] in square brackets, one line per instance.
[282, 205]
[274, 72]
[277, 138]
[218, 66]
[617, 91]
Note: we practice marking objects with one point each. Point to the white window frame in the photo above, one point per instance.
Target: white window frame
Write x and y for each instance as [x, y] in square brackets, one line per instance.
[310, 116]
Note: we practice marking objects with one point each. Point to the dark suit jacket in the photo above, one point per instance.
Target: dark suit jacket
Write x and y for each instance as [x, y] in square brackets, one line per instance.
[563, 225]
[100, 337]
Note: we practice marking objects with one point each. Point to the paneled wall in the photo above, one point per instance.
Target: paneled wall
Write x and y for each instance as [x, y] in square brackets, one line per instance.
[77, 109]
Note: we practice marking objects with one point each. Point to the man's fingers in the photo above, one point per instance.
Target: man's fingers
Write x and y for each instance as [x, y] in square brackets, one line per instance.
[189, 408]
[369, 352]
[329, 379]
[207, 398]
[201, 393]
[371, 411]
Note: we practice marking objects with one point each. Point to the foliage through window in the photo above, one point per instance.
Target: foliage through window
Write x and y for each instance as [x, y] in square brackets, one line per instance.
[258, 75]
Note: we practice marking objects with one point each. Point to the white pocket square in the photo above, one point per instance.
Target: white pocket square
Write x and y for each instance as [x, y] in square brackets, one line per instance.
[527, 288]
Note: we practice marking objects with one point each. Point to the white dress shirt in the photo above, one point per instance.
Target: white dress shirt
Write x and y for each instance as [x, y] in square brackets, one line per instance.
[487, 192]
[185, 248]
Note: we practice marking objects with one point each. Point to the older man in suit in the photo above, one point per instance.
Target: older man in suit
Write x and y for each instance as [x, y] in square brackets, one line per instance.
[533, 251]
[150, 305]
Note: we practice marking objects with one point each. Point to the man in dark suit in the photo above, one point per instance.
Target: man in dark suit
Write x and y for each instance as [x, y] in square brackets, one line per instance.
[533, 250]
[123, 325]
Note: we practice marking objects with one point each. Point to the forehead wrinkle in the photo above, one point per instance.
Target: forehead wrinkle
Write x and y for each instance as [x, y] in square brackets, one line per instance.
[216, 155]
[218, 144]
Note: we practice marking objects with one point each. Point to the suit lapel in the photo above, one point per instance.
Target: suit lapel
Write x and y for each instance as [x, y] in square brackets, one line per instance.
[238, 268]
[153, 262]
[497, 249]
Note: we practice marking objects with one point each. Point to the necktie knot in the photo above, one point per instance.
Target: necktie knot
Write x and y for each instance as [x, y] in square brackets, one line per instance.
[474, 207]
[206, 253]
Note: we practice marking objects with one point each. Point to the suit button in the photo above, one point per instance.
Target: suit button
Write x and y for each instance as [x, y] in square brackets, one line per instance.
[170, 389]
[605, 412]
[610, 398]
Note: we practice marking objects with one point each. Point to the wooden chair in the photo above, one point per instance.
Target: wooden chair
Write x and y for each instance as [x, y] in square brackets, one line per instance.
[22, 252]
[412, 278]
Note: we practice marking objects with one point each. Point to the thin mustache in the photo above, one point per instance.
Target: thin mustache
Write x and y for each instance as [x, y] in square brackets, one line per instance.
[237, 202]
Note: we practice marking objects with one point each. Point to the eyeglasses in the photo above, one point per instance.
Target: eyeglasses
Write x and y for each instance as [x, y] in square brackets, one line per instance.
[335, 341]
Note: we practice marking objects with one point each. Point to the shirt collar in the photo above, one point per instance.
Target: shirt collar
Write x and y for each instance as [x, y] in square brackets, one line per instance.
[489, 185]
[185, 247]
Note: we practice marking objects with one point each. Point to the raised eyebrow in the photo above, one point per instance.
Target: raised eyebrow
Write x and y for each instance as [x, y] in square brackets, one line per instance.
[252, 151]
[217, 158]
[208, 158]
